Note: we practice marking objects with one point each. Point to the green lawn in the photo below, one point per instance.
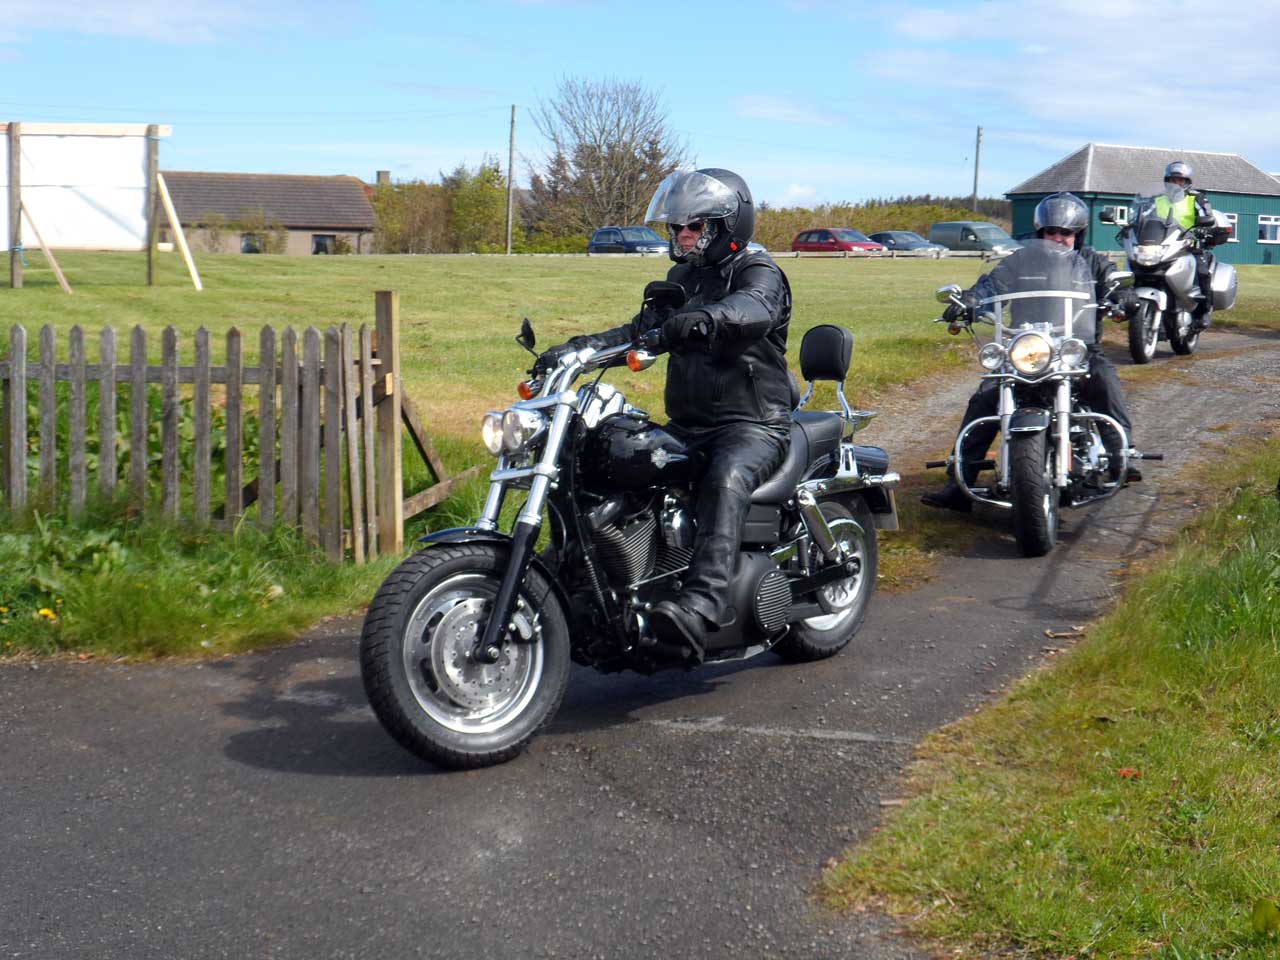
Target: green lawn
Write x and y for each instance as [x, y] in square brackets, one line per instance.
[1122, 803]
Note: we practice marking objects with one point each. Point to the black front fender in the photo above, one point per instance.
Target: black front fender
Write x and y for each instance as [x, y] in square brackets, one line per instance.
[1029, 420]
[481, 535]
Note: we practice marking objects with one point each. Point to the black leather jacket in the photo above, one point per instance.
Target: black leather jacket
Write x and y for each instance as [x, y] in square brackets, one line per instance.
[741, 373]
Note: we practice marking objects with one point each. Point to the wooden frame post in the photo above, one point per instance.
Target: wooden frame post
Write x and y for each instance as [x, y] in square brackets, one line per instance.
[178, 234]
[153, 171]
[390, 478]
[15, 205]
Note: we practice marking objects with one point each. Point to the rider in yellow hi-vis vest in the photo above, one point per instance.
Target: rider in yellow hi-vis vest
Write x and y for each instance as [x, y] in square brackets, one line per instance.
[1188, 209]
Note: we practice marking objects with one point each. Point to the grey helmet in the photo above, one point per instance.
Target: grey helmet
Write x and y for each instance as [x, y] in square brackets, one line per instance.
[718, 197]
[1178, 169]
[1062, 210]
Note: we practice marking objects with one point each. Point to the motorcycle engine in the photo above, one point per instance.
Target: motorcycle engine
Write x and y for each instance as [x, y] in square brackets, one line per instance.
[635, 539]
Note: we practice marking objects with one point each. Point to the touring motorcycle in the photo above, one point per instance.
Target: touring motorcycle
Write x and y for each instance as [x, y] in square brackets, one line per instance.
[1051, 453]
[1161, 254]
[466, 647]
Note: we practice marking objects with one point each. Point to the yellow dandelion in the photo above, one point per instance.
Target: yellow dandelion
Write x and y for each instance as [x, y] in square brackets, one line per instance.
[46, 613]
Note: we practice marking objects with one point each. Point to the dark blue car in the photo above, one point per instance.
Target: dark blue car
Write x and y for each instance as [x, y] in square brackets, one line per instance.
[626, 240]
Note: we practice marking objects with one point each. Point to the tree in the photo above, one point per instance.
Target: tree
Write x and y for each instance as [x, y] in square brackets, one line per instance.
[611, 146]
[410, 217]
[477, 208]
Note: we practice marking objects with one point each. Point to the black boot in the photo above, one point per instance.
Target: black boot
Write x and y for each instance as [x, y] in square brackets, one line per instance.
[950, 497]
[679, 626]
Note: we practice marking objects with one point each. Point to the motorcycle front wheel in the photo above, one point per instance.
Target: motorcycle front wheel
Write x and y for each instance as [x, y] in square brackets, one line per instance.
[415, 657]
[1144, 332]
[844, 602]
[1034, 497]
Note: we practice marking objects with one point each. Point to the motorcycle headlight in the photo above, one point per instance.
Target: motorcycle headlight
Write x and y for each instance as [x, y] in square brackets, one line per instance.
[519, 427]
[1072, 352]
[991, 356]
[491, 432]
[1148, 255]
[1030, 353]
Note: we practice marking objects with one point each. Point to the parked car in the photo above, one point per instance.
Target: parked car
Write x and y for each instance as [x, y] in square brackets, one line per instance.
[973, 235]
[626, 240]
[832, 239]
[756, 247]
[907, 240]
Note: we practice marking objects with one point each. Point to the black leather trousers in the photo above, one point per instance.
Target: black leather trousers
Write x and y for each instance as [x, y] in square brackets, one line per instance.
[1101, 391]
[739, 458]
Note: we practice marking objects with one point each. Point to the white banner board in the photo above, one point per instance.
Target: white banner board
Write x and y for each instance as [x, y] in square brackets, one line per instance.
[85, 186]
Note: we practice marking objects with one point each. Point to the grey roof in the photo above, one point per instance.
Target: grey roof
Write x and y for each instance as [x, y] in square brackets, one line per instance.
[339, 203]
[1104, 168]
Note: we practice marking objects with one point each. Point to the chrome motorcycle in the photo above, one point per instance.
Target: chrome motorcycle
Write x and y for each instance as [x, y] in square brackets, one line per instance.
[466, 647]
[1161, 254]
[1051, 454]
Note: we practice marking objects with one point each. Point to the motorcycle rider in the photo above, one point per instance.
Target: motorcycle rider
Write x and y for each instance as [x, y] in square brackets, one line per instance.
[1060, 218]
[728, 392]
[1189, 209]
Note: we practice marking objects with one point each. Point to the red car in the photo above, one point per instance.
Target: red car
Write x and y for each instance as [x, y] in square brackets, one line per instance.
[831, 239]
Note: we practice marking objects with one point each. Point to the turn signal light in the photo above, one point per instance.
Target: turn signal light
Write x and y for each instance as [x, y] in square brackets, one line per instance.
[524, 390]
[633, 361]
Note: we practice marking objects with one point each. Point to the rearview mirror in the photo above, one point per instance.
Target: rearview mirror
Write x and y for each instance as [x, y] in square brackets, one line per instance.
[526, 338]
[664, 294]
[1108, 215]
[945, 294]
[1122, 278]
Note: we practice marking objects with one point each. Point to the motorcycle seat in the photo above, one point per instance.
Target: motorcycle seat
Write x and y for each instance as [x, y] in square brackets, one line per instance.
[814, 435]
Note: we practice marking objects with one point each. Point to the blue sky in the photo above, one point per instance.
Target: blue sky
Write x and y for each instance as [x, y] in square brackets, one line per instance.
[809, 100]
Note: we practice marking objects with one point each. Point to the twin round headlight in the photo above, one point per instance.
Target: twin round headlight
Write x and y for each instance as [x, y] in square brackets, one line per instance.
[511, 431]
[1030, 353]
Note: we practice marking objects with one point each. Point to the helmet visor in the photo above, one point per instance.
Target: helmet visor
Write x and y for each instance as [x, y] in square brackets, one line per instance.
[683, 197]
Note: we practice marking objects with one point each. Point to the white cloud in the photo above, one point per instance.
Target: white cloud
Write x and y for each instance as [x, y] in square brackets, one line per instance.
[799, 191]
[759, 106]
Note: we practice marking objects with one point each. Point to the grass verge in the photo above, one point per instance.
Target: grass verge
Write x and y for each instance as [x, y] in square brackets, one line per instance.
[1122, 803]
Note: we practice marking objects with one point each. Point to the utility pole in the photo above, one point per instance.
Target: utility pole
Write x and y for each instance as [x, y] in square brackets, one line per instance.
[977, 152]
[511, 172]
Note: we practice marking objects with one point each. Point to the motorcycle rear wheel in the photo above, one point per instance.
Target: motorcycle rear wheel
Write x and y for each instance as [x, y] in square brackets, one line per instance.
[817, 638]
[1144, 332]
[1034, 497]
[427, 692]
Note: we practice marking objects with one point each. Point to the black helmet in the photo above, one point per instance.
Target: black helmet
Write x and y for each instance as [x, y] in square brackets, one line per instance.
[718, 197]
[1178, 169]
[1062, 210]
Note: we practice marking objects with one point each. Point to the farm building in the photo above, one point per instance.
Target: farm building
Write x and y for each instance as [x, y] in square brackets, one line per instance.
[1111, 176]
[256, 213]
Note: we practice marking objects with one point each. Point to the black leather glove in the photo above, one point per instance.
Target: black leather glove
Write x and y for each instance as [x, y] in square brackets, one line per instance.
[1127, 300]
[686, 327]
[549, 357]
[960, 312]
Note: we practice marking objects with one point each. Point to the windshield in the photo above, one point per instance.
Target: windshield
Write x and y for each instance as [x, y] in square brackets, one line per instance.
[850, 236]
[640, 234]
[989, 231]
[1045, 285]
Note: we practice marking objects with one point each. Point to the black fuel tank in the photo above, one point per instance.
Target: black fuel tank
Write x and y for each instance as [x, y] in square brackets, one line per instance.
[629, 452]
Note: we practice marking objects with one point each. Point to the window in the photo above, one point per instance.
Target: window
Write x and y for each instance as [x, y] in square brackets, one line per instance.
[323, 243]
[251, 243]
[1268, 229]
[1122, 215]
[1234, 220]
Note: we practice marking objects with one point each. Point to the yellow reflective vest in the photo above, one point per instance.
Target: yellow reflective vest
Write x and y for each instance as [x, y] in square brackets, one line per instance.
[1184, 211]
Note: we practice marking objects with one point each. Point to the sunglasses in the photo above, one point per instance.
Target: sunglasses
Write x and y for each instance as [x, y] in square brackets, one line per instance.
[693, 225]
[1058, 232]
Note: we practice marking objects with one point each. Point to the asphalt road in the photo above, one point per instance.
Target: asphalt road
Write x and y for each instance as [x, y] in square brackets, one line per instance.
[252, 807]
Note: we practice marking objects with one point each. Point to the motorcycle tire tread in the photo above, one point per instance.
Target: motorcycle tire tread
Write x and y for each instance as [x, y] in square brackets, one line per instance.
[1138, 336]
[1032, 529]
[377, 638]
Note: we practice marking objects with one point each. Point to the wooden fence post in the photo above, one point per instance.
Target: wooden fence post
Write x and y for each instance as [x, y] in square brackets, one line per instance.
[267, 428]
[76, 471]
[353, 444]
[170, 420]
[366, 420]
[235, 431]
[138, 417]
[333, 444]
[107, 412]
[289, 427]
[48, 413]
[390, 480]
[202, 464]
[16, 399]
[309, 441]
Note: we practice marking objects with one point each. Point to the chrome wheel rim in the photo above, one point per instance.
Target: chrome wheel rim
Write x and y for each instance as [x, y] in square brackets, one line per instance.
[452, 689]
[840, 598]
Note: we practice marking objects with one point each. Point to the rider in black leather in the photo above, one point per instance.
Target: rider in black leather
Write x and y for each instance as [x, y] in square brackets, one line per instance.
[728, 392]
[1061, 218]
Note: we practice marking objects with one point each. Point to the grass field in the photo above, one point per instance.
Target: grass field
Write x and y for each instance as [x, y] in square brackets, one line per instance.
[1123, 803]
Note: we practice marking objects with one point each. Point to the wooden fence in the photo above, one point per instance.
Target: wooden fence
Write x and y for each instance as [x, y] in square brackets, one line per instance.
[329, 417]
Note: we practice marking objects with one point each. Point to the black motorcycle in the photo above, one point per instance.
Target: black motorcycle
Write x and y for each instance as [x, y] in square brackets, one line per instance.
[466, 647]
